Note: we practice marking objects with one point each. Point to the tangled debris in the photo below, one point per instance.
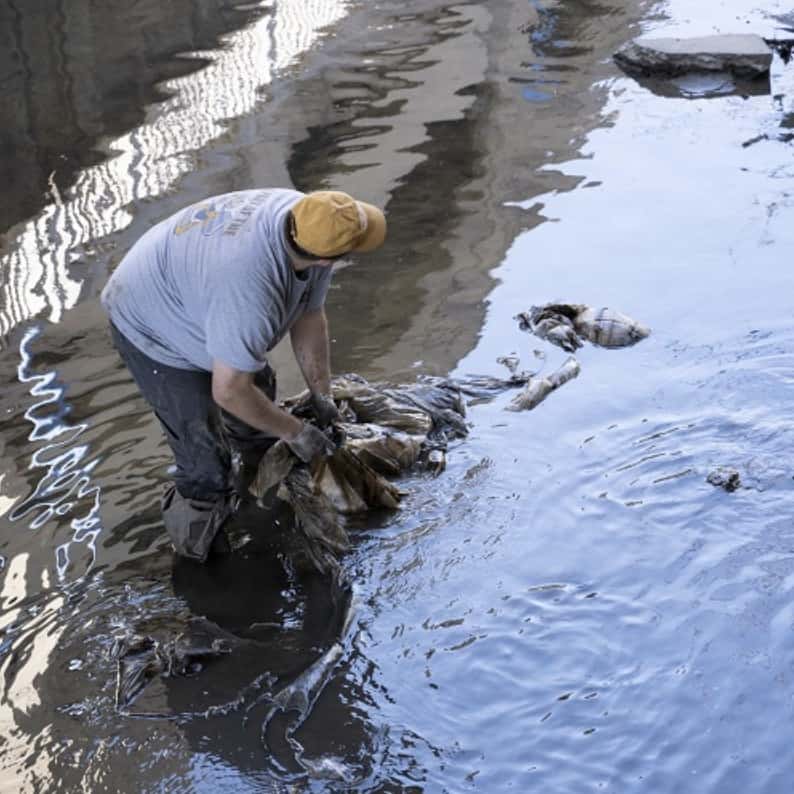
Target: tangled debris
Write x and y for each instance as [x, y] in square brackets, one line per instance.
[384, 431]
[567, 324]
[141, 658]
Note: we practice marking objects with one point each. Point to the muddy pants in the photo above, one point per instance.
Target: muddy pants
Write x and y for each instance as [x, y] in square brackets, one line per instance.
[202, 437]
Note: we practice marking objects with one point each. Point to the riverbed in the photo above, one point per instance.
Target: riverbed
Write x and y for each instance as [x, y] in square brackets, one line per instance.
[570, 606]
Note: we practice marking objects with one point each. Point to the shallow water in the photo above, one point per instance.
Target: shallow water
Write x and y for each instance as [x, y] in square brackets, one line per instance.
[571, 607]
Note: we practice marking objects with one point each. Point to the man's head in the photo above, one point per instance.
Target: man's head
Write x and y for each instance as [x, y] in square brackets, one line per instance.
[327, 224]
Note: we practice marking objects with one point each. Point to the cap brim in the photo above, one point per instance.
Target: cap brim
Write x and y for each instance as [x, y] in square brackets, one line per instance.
[375, 233]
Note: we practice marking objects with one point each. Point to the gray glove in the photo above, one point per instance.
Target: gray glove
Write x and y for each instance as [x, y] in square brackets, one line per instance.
[325, 410]
[310, 443]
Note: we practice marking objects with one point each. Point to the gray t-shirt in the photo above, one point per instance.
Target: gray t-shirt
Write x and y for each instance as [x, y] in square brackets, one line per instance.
[214, 281]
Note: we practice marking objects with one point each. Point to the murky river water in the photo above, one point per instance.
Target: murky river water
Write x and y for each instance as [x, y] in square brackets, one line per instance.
[571, 607]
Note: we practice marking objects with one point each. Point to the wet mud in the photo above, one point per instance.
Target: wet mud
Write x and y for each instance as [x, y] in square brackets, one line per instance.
[575, 610]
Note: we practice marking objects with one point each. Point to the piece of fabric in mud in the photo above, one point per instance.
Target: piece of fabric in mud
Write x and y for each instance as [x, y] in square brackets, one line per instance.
[144, 657]
[202, 438]
[318, 494]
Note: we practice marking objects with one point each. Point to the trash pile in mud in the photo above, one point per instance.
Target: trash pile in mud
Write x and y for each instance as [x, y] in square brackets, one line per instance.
[384, 431]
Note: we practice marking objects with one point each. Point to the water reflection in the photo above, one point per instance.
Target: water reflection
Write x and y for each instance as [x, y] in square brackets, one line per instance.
[67, 479]
[44, 260]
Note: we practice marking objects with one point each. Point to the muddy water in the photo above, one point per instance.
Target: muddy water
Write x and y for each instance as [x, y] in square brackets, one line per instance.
[571, 607]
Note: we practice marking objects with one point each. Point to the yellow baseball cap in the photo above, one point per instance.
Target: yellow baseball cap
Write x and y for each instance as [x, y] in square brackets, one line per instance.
[330, 223]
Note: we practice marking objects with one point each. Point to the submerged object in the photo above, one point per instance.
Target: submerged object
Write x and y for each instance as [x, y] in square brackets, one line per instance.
[297, 698]
[567, 324]
[743, 54]
[537, 389]
[141, 658]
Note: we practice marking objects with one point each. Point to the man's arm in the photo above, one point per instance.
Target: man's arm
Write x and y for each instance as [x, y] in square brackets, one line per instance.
[235, 392]
[309, 337]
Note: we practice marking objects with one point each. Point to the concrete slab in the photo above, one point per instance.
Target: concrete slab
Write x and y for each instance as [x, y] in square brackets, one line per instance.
[745, 55]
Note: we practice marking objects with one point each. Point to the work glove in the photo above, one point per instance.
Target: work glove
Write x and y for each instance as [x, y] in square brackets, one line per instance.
[311, 442]
[325, 410]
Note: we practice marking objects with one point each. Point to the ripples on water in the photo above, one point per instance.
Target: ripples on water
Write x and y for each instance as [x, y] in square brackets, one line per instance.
[585, 609]
[571, 607]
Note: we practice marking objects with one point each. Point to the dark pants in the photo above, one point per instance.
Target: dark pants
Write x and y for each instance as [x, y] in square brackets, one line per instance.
[202, 437]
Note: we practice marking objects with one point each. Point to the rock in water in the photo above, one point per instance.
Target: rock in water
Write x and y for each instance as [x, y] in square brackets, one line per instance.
[743, 54]
[724, 477]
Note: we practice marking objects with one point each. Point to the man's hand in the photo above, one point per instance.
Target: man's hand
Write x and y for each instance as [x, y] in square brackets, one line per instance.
[310, 443]
[325, 410]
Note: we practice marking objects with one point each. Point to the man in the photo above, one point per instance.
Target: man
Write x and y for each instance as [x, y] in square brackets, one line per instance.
[196, 305]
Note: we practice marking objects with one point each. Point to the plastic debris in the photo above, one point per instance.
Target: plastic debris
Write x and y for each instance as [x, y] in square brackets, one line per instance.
[141, 658]
[537, 389]
[567, 324]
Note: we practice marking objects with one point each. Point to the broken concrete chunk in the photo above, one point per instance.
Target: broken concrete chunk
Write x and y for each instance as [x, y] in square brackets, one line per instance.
[743, 54]
[724, 477]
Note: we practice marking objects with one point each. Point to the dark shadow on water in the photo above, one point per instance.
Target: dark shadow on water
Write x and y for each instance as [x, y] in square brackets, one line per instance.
[704, 86]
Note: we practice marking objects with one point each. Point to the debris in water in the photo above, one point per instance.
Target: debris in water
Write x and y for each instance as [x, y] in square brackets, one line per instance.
[437, 461]
[511, 362]
[566, 324]
[724, 477]
[297, 698]
[141, 657]
[750, 141]
[385, 431]
[783, 137]
[743, 54]
[537, 389]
